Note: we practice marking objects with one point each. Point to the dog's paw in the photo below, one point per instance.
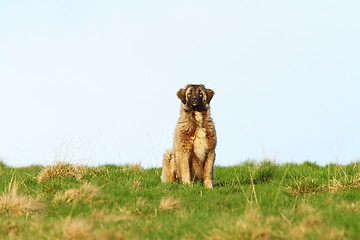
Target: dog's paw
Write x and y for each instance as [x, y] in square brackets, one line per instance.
[208, 184]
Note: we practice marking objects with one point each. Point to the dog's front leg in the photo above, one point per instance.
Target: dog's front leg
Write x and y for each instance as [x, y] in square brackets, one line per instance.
[184, 166]
[209, 169]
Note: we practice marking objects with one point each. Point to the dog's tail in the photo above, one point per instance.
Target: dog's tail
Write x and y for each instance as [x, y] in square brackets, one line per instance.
[168, 171]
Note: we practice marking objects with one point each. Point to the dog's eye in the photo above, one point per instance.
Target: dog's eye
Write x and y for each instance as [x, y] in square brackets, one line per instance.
[200, 95]
[189, 94]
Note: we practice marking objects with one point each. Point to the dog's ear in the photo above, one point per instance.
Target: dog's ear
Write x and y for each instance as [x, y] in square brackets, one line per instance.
[181, 95]
[209, 95]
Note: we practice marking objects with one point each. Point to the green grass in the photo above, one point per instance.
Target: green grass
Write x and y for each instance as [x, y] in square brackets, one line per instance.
[249, 201]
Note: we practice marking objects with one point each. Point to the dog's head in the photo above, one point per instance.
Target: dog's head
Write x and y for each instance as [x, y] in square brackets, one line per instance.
[196, 97]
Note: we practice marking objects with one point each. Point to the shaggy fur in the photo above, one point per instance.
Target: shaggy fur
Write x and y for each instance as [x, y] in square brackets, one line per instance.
[193, 154]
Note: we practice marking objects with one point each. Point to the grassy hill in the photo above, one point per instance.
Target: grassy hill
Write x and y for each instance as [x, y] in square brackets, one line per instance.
[249, 201]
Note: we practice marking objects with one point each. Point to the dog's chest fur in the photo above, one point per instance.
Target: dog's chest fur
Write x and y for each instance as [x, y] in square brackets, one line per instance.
[195, 132]
[199, 137]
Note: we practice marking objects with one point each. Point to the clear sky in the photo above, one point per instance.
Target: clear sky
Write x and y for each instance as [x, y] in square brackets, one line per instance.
[95, 82]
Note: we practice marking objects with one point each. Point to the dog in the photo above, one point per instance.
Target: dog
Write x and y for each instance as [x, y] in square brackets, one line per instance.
[193, 155]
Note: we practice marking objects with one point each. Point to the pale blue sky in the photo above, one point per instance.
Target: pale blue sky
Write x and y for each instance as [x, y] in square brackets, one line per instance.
[97, 80]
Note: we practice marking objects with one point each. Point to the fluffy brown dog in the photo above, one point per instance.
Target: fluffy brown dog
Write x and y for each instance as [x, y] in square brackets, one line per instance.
[193, 153]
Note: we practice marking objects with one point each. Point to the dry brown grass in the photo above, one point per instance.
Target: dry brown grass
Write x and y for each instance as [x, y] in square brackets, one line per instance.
[86, 193]
[136, 166]
[170, 203]
[18, 204]
[337, 185]
[250, 226]
[348, 207]
[77, 229]
[140, 203]
[305, 186]
[309, 186]
[316, 228]
[312, 226]
[11, 229]
[254, 226]
[103, 216]
[60, 170]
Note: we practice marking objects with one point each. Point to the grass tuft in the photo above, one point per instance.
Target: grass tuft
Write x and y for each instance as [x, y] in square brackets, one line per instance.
[76, 229]
[337, 185]
[14, 203]
[60, 170]
[86, 193]
[316, 228]
[254, 225]
[136, 166]
[106, 217]
[170, 204]
[265, 172]
[306, 185]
